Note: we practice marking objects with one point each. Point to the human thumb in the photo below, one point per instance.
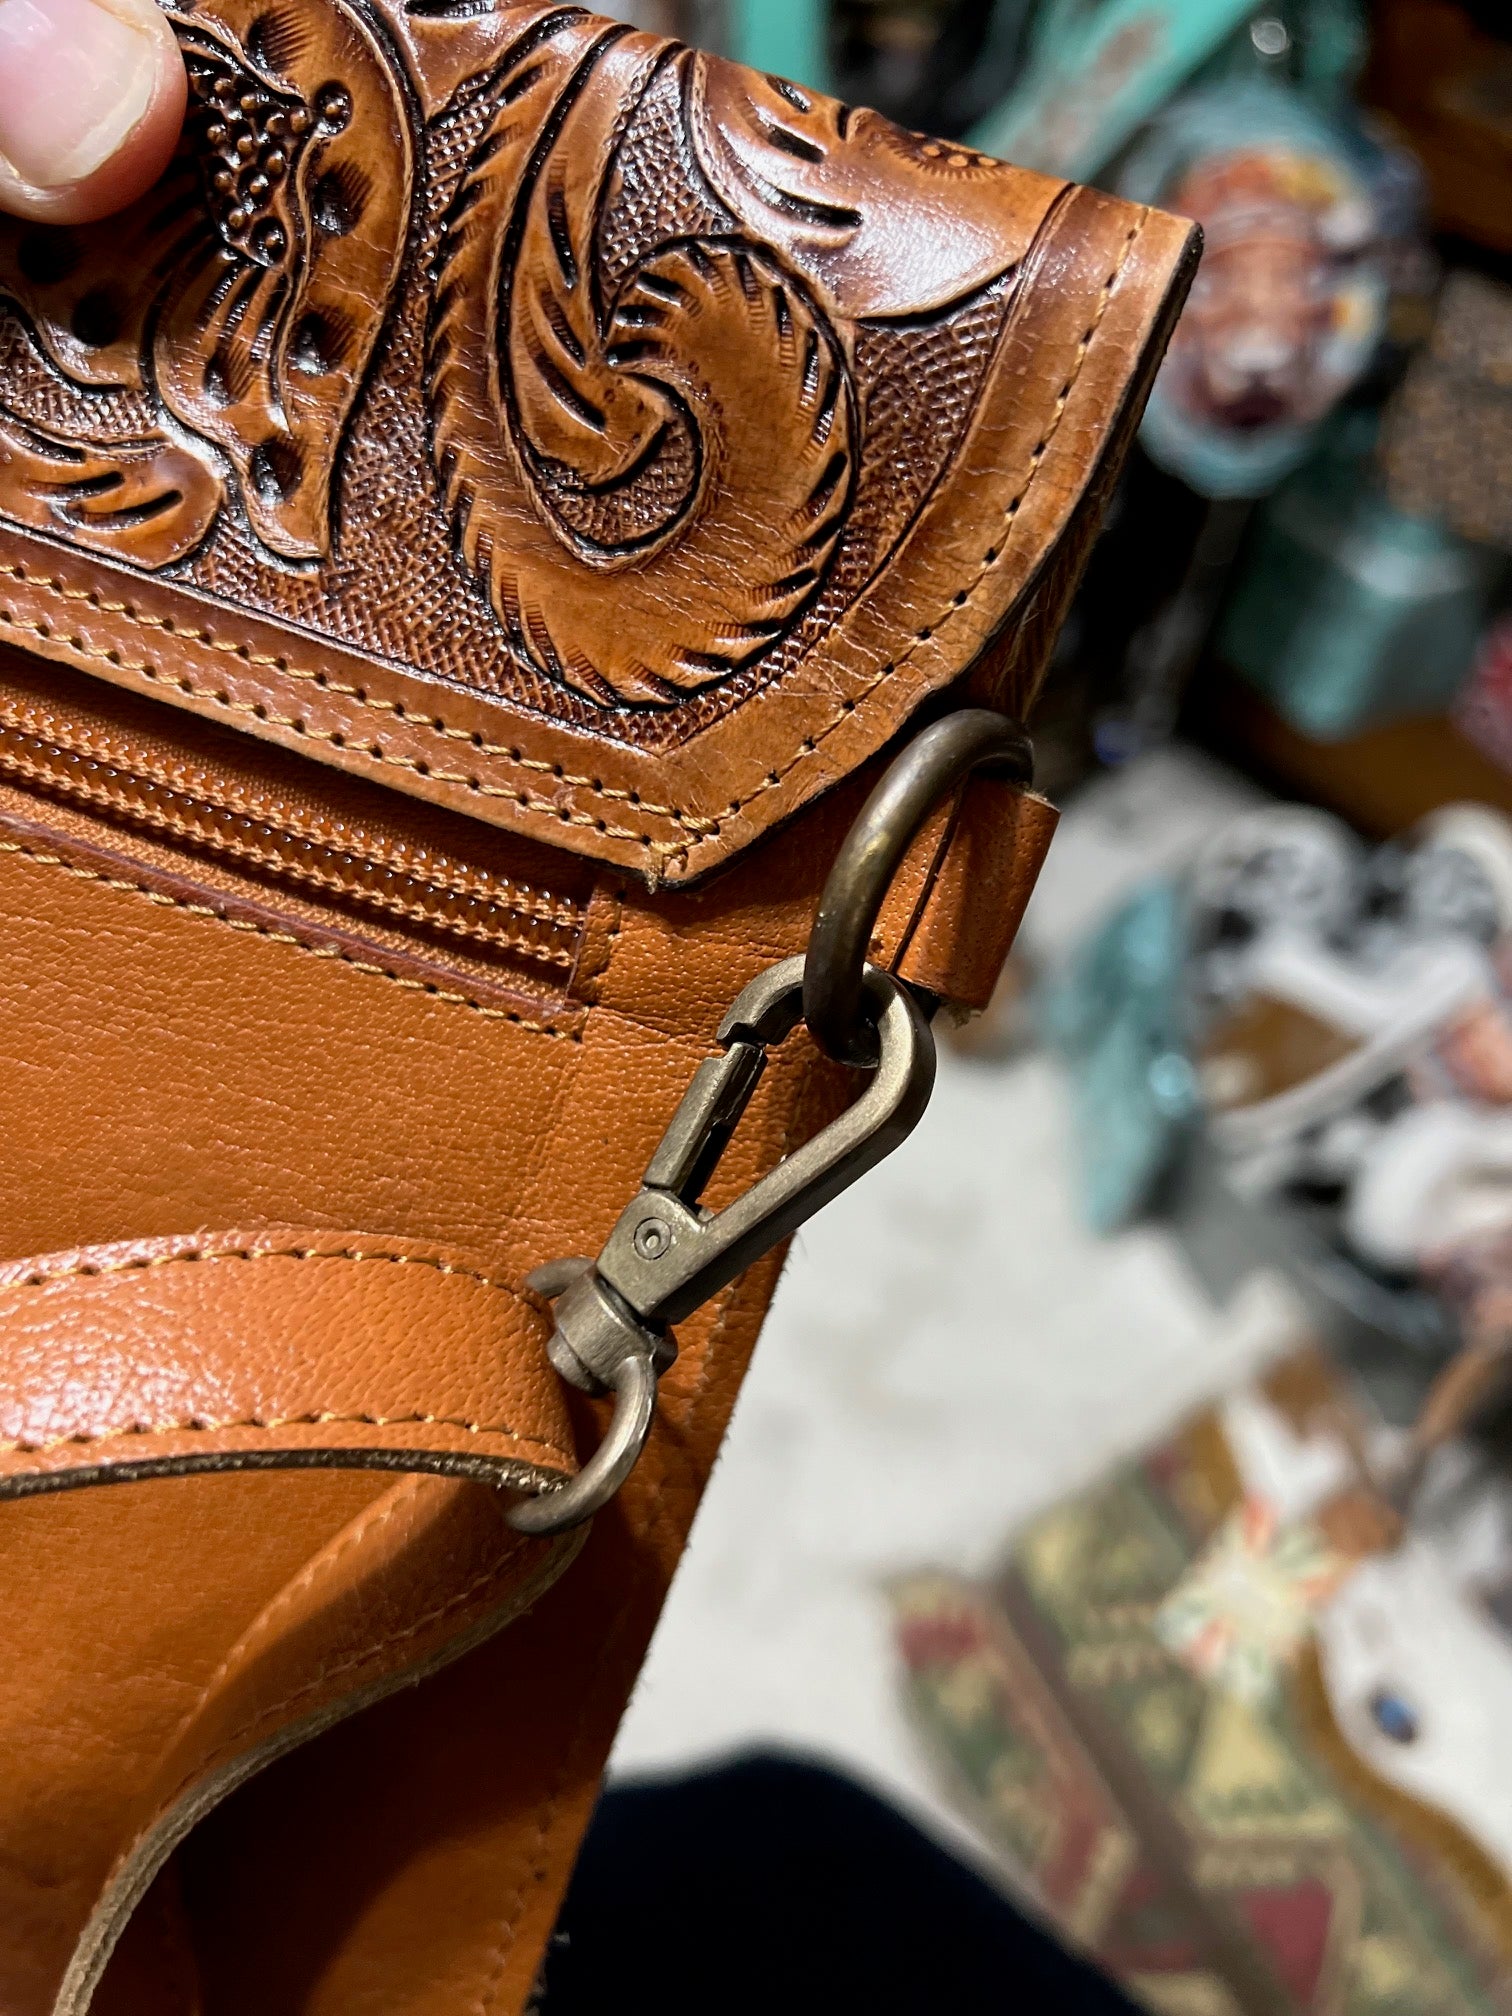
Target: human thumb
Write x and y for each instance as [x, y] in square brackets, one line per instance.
[92, 97]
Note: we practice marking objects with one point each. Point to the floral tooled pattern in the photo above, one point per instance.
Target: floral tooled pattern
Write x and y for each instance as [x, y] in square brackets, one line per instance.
[880, 221]
[698, 346]
[651, 478]
[247, 292]
[651, 483]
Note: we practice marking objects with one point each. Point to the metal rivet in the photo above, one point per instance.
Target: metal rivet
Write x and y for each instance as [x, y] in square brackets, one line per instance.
[653, 1237]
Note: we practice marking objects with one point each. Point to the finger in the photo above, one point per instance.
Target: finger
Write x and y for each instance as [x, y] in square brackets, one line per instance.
[92, 97]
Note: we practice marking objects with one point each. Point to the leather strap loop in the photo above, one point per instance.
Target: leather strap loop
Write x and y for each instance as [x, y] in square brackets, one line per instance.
[276, 1348]
[957, 902]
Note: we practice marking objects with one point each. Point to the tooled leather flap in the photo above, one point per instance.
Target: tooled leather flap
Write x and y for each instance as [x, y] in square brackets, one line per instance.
[559, 424]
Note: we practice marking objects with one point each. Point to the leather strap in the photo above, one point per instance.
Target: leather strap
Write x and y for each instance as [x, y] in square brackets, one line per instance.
[234, 1351]
[187, 1640]
[286, 1347]
[953, 913]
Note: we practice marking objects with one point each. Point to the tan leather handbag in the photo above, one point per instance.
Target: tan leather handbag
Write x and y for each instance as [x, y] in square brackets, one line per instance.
[470, 542]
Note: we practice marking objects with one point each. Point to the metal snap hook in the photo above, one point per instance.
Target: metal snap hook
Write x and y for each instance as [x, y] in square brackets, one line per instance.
[667, 1255]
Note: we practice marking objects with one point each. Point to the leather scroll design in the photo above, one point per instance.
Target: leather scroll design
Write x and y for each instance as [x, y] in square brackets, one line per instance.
[677, 458]
[652, 478]
[246, 293]
[536, 416]
[648, 471]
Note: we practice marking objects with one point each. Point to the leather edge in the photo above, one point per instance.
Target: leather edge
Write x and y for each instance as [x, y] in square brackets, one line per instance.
[621, 807]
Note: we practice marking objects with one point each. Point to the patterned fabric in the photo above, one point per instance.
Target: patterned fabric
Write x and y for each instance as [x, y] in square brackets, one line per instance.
[1242, 1610]
[1135, 1713]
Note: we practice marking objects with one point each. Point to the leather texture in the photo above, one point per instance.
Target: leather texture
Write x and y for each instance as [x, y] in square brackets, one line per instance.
[956, 904]
[230, 1071]
[622, 465]
[240, 1350]
[512, 469]
[230, 1354]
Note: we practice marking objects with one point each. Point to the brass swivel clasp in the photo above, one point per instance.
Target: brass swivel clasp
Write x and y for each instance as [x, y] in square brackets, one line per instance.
[668, 1255]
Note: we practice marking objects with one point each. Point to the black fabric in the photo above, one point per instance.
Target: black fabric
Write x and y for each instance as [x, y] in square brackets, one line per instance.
[772, 1885]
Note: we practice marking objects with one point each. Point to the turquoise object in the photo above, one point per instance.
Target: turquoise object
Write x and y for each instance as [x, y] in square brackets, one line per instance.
[786, 38]
[1117, 1019]
[1096, 71]
[1347, 613]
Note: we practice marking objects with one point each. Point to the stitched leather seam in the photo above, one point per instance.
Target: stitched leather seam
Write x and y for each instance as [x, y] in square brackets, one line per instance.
[536, 1869]
[43, 1277]
[538, 1864]
[965, 596]
[371, 1523]
[141, 619]
[209, 911]
[143, 1263]
[705, 830]
[177, 779]
[527, 1445]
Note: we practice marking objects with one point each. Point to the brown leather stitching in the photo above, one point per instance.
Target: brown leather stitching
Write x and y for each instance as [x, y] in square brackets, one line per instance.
[705, 830]
[214, 915]
[143, 1263]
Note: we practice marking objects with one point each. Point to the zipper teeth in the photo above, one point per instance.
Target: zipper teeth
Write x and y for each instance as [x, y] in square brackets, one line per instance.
[511, 916]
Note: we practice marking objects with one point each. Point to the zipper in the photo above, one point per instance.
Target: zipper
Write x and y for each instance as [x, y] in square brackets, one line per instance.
[295, 836]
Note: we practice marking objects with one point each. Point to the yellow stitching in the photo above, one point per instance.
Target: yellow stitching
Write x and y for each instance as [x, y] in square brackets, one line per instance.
[199, 1426]
[145, 1263]
[207, 910]
[706, 829]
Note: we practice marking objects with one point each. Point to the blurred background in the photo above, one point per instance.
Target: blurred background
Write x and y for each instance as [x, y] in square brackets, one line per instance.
[1124, 1487]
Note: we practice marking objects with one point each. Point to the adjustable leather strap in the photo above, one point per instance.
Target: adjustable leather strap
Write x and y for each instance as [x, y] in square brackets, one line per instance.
[287, 1348]
[238, 1351]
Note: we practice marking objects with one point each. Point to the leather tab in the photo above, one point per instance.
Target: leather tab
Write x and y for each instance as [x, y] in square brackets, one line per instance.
[235, 1351]
[955, 908]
